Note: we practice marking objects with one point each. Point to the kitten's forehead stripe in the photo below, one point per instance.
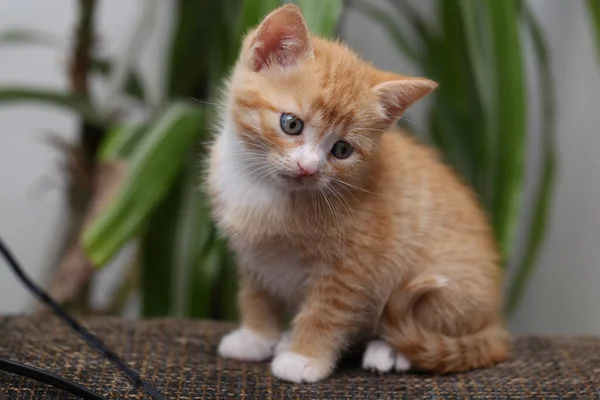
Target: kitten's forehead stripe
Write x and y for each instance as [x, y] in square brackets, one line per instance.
[253, 100]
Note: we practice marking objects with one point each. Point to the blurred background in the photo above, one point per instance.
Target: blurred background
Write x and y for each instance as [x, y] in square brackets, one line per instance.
[106, 107]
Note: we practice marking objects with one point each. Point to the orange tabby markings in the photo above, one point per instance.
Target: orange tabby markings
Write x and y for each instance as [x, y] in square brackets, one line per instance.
[380, 242]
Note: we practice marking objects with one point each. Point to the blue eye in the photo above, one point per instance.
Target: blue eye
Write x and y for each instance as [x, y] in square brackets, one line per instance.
[291, 124]
[342, 149]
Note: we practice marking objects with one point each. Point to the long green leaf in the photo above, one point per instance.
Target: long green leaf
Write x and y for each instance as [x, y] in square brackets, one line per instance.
[157, 243]
[543, 197]
[509, 84]
[175, 243]
[204, 280]
[192, 48]
[229, 285]
[153, 169]
[11, 95]
[594, 8]
[120, 142]
[482, 71]
[322, 17]
[456, 115]
[193, 234]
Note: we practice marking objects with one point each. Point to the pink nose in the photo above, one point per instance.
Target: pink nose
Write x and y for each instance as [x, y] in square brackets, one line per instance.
[307, 170]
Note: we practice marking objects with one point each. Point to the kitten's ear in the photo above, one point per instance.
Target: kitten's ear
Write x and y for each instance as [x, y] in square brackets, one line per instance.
[282, 39]
[396, 96]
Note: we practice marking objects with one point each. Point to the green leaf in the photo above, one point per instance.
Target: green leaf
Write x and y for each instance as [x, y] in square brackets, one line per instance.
[175, 243]
[253, 11]
[120, 142]
[509, 83]
[229, 285]
[545, 189]
[322, 17]
[193, 236]
[153, 169]
[27, 36]
[594, 8]
[157, 244]
[191, 49]
[203, 284]
[12, 95]
[482, 70]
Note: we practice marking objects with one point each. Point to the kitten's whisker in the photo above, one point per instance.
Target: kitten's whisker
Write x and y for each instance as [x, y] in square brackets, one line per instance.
[355, 187]
[374, 144]
[408, 120]
[349, 192]
[204, 102]
[337, 219]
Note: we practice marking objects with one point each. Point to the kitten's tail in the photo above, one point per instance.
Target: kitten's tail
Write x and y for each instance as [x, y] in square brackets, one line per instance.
[434, 351]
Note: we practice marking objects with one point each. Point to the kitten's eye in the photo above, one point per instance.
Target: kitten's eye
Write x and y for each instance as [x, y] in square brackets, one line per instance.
[342, 149]
[291, 124]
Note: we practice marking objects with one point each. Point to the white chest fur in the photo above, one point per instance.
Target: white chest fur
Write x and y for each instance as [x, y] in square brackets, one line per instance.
[280, 271]
[252, 212]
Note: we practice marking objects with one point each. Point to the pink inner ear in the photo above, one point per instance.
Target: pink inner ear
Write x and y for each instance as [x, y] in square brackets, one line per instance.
[397, 96]
[281, 39]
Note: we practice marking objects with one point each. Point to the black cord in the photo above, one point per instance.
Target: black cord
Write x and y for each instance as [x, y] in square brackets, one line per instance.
[48, 378]
[69, 320]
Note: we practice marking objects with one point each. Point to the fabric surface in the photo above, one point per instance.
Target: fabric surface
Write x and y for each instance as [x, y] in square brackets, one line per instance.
[179, 358]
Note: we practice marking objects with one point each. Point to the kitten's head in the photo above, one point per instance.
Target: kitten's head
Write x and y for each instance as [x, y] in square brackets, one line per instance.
[309, 112]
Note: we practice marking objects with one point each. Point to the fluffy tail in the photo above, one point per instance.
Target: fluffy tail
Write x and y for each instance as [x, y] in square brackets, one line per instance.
[434, 351]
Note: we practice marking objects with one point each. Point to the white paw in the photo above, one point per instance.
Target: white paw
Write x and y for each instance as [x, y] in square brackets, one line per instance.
[402, 364]
[381, 357]
[284, 344]
[297, 368]
[242, 344]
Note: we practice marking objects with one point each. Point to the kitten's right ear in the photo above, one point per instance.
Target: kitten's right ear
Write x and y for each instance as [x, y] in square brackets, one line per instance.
[281, 39]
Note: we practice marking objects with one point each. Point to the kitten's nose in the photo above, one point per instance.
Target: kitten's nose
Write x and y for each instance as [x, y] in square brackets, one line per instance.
[307, 169]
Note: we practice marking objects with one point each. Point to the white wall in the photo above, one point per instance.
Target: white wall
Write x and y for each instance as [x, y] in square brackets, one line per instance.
[29, 221]
[562, 297]
[30, 213]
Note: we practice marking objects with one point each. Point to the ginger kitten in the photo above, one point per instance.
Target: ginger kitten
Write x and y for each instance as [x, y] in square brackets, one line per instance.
[356, 228]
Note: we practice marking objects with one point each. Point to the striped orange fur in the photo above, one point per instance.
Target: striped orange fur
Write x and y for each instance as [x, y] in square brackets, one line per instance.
[385, 246]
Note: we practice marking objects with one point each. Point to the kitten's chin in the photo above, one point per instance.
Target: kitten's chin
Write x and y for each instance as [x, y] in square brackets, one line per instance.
[295, 184]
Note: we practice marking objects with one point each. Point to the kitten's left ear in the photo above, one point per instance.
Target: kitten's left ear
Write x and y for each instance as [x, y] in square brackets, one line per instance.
[396, 96]
[281, 39]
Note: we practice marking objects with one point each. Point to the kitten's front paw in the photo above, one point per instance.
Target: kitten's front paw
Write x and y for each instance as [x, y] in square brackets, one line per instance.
[295, 367]
[245, 345]
[381, 357]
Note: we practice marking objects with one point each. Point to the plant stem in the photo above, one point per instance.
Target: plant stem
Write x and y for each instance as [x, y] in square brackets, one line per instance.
[81, 159]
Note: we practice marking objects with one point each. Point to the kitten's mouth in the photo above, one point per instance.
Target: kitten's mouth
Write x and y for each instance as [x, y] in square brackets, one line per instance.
[292, 178]
[296, 180]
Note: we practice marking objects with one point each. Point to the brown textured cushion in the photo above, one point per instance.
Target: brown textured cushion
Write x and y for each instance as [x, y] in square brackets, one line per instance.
[179, 358]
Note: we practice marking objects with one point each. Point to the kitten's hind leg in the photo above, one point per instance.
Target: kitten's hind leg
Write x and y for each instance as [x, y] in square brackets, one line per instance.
[380, 357]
